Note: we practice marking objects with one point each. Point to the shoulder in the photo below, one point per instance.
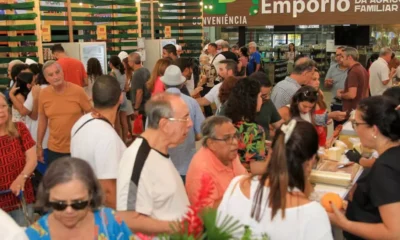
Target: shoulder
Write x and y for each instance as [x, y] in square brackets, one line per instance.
[39, 229]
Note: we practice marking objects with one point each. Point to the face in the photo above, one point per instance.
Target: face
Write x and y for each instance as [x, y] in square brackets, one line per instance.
[55, 55]
[165, 53]
[307, 77]
[3, 111]
[305, 107]
[364, 131]
[211, 49]
[70, 192]
[54, 75]
[187, 73]
[339, 56]
[345, 60]
[315, 81]
[259, 102]
[223, 72]
[308, 166]
[178, 128]
[204, 60]
[252, 50]
[225, 144]
[265, 93]
[291, 46]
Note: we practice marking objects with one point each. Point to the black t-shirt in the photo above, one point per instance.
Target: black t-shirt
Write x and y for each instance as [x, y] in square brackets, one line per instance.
[380, 187]
[230, 55]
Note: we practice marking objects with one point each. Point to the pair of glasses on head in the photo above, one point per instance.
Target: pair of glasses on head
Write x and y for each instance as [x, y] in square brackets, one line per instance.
[228, 138]
[355, 124]
[76, 205]
[310, 93]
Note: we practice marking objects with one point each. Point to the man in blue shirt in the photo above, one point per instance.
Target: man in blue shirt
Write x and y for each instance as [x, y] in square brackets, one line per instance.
[182, 154]
[254, 64]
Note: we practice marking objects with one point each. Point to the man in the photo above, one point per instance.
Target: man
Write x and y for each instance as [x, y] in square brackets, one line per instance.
[212, 52]
[268, 114]
[303, 72]
[254, 64]
[226, 68]
[94, 139]
[148, 181]
[60, 106]
[226, 54]
[169, 50]
[335, 79]
[217, 159]
[73, 69]
[139, 92]
[356, 84]
[380, 76]
[186, 67]
[183, 153]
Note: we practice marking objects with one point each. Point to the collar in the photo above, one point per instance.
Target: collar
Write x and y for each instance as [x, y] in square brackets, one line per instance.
[338, 67]
[354, 65]
[291, 80]
[217, 164]
[173, 90]
[383, 60]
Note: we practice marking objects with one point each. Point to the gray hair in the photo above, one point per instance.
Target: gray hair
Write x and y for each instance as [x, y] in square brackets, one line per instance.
[136, 56]
[157, 108]
[341, 48]
[352, 52]
[303, 65]
[225, 44]
[252, 44]
[15, 62]
[48, 64]
[208, 127]
[385, 51]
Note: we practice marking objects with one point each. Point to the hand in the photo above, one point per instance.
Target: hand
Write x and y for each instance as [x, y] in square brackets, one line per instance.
[13, 89]
[338, 115]
[339, 93]
[35, 91]
[203, 80]
[337, 218]
[329, 82]
[353, 156]
[39, 153]
[196, 91]
[329, 122]
[393, 72]
[18, 185]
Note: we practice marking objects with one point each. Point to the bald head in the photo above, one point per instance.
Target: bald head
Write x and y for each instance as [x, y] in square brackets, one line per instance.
[304, 64]
[161, 106]
[134, 59]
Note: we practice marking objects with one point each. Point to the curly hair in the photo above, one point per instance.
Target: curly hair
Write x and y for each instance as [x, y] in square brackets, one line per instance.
[242, 102]
[94, 68]
[226, 88]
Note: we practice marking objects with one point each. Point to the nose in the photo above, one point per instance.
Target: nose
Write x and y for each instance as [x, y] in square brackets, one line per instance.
[69, 209]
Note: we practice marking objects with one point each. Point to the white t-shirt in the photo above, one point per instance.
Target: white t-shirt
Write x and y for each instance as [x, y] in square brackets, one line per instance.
[379, 72]
[309, 221]
[212, 95]
[190, 84]
[9, 229]
[149, 183]
[33, 124]
[397, 72]
[98, 143]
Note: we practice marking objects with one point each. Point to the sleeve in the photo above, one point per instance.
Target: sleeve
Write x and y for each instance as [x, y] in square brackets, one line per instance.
[212, 95]
[40, 102]
[28, 104]
[158, 87]
[275, 117]
[384, 74]
[318, 226]
[384, 184]
[353, 79]
[145, 195]
[117, 229]
[198, 118]
[36, 231]
[25, 136]
[257, 58]
[190, 84]
[84, 100]
[107, 158]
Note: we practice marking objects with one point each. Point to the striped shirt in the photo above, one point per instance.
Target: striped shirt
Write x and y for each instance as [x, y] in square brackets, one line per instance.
[283, 92]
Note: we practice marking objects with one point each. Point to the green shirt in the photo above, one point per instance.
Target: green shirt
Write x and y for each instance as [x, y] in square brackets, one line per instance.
[267, 115]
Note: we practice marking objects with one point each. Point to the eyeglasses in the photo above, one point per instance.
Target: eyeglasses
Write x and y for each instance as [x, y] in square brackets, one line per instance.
[310, 93]
[355, 124]
[228, 139]
[76, 205]
[186, 119]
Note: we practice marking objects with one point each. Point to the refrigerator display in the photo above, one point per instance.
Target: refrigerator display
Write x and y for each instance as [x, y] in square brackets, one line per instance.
[279, 39]
[294, 38]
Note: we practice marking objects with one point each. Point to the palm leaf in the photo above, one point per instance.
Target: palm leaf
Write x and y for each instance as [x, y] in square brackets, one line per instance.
[225, 229]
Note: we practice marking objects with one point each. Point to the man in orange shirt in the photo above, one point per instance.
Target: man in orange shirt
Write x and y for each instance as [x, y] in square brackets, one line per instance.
[218, 158]
[73, 69]
[60, 105]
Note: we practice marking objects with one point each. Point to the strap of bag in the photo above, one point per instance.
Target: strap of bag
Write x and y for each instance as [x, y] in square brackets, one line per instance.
[105, 120]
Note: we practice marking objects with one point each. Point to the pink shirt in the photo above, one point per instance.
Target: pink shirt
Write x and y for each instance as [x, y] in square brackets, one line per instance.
[205, 162]
[158, 86]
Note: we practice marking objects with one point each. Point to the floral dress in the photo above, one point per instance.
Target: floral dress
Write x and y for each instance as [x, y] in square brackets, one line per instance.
[252, 145]
[108, 227]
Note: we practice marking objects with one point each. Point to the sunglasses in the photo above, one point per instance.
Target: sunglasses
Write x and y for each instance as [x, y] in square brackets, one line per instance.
[76, 205]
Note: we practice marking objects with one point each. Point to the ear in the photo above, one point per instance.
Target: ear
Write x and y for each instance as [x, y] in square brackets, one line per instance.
[162, 124]
[375, 131]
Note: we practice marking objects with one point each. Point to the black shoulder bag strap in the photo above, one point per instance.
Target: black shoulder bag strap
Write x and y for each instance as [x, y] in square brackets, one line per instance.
[88, 121]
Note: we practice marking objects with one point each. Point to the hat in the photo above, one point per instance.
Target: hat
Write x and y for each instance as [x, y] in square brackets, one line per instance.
[30, 61]
[122, 55]
[173, 76]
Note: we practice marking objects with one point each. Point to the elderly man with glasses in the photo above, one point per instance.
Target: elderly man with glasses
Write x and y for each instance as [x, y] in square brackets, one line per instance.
[217, 159]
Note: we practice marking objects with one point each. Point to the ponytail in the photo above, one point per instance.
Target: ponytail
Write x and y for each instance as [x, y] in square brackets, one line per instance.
[121, 68]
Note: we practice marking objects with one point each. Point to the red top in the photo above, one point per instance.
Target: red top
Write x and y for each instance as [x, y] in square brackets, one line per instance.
[73, 70]
[321, 130]
[12, 162]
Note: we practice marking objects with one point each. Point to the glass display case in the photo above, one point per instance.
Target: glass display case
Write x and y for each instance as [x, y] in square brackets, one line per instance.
[295, 38]
[279, 39]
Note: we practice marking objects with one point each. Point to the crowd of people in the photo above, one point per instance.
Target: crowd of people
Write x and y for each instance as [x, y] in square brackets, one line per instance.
[69, 151]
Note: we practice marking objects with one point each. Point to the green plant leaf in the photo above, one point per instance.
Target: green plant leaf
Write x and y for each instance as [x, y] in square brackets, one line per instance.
[224, 231]
[253, 10]
[226, 1]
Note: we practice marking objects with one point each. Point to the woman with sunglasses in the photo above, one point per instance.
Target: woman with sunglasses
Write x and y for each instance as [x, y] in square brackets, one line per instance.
[373, 211]
[242, 106]
[72, 194]
[276, 204]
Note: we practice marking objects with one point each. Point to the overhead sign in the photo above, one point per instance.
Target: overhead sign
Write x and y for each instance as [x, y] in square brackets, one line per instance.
[298, 12]
[167, 31]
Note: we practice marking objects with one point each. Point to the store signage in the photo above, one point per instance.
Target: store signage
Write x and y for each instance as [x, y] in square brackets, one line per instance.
[101, 32]
[46, 33]
[299, 12]
[167, 31]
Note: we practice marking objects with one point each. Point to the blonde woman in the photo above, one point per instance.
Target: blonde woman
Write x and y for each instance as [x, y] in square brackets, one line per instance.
[17, 162]
[154, 84]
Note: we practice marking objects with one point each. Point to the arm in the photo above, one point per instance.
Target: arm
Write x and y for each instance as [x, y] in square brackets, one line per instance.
[367, 163]
[138, 99]
[197, 121]
[258, 61]
[18, 104]
[278, 124]
[35, 95]
[30, 166]
[42, 126]
[285, 114]
[109, 187]
[203, 102]
[351, 94]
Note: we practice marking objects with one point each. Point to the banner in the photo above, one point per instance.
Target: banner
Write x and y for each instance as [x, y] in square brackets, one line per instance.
[101, 32]
[299, 12]
[46, 33]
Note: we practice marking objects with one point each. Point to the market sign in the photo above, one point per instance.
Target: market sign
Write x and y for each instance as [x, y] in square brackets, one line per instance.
[299, 12]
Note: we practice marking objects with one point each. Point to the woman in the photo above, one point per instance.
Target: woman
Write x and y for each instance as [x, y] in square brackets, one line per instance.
[72, 193]
[17, 162]
[118, 71]
[302, 105]
[242, 106]
[93, 71]
[373, 211]
[224, 93]
[128, 84]
[276, 203]
[244, 59]
[290, 56]
[154, 84]
[19, 93]
[35, 68]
